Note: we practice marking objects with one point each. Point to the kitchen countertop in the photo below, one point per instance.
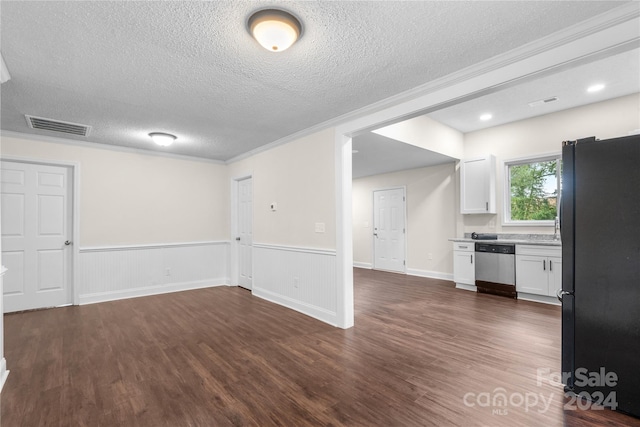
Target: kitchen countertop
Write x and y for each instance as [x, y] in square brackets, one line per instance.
[524, 239]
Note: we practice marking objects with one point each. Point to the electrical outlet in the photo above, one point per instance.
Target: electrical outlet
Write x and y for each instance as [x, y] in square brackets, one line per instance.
[167, 272]
[295, 282]
[492, 224]
[319, 227]
[429, 256]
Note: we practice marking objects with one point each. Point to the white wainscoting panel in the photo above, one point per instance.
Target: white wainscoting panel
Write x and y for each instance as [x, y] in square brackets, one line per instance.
[110, 273]
[302, 279]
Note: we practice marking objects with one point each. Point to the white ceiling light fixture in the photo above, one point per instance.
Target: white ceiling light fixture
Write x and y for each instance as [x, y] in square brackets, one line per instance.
[275, 29]
[486, 116]
[162, 139]
[595, 88]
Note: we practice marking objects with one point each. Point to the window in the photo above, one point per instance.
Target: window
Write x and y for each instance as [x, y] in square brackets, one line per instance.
[532, 190]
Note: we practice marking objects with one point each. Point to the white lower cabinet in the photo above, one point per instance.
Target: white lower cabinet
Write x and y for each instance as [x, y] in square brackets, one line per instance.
[464, 267]
[538, 269]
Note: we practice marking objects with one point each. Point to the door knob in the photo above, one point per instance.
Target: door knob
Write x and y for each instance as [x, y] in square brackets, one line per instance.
[67, 243]
[238, 239]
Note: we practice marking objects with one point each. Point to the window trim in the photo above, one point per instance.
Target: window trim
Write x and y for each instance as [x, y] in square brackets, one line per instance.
[506, 205]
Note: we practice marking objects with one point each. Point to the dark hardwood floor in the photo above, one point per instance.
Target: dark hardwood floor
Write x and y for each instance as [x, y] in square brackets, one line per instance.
[218, 357]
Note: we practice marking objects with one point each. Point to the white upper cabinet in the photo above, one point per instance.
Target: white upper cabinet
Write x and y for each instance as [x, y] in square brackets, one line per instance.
[478, 185]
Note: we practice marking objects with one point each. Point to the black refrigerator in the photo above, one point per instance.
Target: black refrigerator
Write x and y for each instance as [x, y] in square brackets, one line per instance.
[600, 226]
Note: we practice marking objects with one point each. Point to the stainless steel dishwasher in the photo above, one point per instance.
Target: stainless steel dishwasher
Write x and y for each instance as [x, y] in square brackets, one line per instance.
[496, 269]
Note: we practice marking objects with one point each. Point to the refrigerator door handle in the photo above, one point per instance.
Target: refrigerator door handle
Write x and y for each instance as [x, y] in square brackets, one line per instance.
[561, 293]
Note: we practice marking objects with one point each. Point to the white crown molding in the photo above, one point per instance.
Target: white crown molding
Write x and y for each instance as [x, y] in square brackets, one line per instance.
[96, 145]
[617, 16]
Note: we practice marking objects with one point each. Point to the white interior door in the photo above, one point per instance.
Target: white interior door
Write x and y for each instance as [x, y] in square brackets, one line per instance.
[389, 229]
[36, 235]
[245, 233]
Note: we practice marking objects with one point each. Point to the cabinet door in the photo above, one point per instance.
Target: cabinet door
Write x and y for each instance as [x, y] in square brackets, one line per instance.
[531, 274]
[555, 275]
[464, 267]
[477, 185]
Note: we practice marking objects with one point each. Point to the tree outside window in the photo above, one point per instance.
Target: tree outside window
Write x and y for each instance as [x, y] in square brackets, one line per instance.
[533, 190]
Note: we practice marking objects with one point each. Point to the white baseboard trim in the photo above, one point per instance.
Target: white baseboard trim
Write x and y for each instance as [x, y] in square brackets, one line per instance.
[150, 290]
[366, 265]
[3, 372]
[429, 274]
[538, 298]
[466, 287]
[301, 307]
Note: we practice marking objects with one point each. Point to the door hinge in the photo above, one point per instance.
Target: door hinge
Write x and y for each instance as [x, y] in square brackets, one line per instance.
[404, 230]
[404, 262]
[404, 199]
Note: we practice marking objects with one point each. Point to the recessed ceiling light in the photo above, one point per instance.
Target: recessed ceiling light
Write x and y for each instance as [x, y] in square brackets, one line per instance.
[595, 88]
[275, 30]
[486, 116]
[162, 139]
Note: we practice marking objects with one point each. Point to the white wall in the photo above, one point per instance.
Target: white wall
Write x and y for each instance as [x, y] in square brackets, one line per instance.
[300, 178]
[544, 135]
[431, 220]
[132, 199]
[292, 264]
[148, 224]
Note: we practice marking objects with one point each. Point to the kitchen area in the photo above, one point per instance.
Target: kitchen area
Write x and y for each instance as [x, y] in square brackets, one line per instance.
[522, 266]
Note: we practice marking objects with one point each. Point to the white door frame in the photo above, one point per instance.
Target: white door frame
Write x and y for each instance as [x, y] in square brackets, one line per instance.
[607, 34]
[74, 167]
[406, 225]
[233, 247]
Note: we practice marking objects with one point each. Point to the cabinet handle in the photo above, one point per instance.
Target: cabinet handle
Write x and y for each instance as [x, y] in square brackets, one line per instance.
[544, 264]
[487, 204]
[550, 266]
[463, 247]
[471, 258]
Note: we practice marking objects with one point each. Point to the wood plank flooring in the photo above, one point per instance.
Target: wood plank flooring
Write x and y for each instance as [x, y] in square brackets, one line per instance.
[221, 357]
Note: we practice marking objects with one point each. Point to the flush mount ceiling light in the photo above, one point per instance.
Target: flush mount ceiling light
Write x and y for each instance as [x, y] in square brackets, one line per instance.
[162, 139]
[275, 30]
[595, 88]
[486, 117]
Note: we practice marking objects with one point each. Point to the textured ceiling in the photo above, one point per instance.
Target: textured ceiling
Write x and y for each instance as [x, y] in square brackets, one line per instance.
[191, 69]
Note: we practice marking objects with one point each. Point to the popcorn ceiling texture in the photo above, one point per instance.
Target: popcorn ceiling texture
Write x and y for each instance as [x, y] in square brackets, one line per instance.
[191, 69]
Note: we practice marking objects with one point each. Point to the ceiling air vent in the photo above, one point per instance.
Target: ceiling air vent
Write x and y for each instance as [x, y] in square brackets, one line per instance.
[57, 126]
[543, 101]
